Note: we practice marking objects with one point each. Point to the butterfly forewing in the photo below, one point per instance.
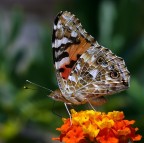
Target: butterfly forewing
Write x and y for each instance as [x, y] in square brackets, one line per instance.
[70, 41]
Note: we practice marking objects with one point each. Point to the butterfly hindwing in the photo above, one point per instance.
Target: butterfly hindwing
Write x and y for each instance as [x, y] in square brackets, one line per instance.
[99, 72]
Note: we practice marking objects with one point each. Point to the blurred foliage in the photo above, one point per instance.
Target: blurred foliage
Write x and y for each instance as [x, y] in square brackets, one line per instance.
[25, 53]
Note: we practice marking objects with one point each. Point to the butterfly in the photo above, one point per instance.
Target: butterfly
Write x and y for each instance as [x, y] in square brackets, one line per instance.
[85, 70]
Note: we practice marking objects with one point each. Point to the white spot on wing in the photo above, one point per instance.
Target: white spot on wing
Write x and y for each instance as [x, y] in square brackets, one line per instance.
[55, 27]
[78, 67]
[59, 25]
[58, 42]
[72, 78]
[93, 58]
[94, 73]
[64, 40]
[74, 34]
[62, 62]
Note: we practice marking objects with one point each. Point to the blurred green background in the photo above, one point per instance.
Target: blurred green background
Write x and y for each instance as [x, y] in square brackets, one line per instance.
[26, 116]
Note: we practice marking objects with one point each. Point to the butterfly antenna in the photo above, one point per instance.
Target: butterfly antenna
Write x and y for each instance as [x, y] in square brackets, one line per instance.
[25, 87]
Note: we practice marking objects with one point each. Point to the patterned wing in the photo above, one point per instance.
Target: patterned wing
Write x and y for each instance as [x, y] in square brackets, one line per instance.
[85, 70]
[99, 72]
[69, 42]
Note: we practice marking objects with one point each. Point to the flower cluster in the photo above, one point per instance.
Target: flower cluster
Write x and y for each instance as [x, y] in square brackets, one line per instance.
[96, 127]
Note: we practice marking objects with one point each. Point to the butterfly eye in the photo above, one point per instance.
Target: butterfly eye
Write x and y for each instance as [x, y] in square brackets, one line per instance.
[114, 74]
[100, 60]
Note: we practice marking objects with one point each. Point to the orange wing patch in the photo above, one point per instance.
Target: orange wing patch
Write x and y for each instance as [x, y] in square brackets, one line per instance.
[74, 51]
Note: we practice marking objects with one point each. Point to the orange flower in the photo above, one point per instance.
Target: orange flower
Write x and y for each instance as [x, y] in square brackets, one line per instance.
[97, 127]
[70, 133]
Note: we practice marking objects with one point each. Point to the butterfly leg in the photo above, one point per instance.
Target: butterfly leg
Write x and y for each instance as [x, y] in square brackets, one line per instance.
[91, 105]
[68, 112]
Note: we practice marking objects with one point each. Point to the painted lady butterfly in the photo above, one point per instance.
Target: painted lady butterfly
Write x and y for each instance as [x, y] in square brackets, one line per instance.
[86, 71]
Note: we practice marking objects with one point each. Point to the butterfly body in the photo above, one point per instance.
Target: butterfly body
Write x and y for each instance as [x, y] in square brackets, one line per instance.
[85, 70]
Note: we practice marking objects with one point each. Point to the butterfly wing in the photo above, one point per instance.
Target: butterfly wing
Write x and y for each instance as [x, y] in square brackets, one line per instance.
[99, 72]
[85, 70]
[69, 42]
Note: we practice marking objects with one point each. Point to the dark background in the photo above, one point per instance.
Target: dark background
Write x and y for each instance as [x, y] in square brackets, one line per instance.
[25, 53]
